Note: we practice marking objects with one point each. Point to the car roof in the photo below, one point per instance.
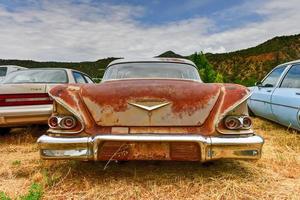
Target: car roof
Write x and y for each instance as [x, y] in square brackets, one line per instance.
[290, 63]
[13, 66]
[149, 60]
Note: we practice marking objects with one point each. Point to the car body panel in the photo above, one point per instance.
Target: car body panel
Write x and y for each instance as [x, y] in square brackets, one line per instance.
[278, 104]
[260, 102]
[150, 119]
[13, 116]
[285, 106]
[220, 99]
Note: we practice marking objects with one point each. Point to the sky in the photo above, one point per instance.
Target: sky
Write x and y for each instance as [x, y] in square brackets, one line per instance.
[87, 30]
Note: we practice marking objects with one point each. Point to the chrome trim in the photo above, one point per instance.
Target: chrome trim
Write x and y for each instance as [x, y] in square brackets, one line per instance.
[182, 61]
[211, 148]
[225, 114]
[68, 108]
[277, 104]
[149, 108]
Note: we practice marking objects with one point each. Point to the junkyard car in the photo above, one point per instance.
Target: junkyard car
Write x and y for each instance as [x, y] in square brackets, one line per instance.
[24, 98]
[6, 69]
[155, 109]
[277, 96]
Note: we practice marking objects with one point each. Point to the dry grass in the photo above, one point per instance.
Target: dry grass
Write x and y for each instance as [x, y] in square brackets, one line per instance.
[275, 176]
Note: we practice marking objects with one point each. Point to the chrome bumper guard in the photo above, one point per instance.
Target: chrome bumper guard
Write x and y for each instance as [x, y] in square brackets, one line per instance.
[211, 148]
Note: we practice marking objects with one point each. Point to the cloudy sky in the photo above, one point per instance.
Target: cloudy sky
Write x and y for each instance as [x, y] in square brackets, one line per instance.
[77, 30]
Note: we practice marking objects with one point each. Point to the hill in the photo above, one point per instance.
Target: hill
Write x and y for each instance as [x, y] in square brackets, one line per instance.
[252, 64]
[244, 66]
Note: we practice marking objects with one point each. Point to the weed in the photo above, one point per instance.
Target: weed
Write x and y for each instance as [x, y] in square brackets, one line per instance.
[3, 196]
[16, 163]
[35, 192]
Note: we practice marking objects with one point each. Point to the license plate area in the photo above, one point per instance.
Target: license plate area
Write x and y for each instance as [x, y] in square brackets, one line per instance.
[149, 151]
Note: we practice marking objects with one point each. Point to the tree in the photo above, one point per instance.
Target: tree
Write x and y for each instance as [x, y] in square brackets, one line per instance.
[207, 73]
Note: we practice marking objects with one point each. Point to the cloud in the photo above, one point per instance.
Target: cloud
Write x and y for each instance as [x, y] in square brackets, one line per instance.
[68, 31]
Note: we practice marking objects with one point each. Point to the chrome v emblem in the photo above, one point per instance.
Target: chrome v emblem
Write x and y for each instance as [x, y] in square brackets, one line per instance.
[149, 108]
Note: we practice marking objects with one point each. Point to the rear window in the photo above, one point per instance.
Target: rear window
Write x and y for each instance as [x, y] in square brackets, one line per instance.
[3, 71]
[37, 76]
[151, 70]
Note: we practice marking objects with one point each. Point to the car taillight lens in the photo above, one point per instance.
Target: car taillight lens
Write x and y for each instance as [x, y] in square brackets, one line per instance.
[232, 122]
[53, 122]
[247, 122]
[25, 99]
[62, 122]
[238, 122]
[67, 122]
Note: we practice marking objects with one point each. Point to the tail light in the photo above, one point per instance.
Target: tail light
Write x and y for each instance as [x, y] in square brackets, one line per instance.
[238, 122]
[247, 122]
[67, 122]
[53, 122]
[25, 99]
[62, 122]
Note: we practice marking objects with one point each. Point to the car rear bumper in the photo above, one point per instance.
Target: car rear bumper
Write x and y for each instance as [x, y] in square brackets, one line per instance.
[210, 148]
[24, 115]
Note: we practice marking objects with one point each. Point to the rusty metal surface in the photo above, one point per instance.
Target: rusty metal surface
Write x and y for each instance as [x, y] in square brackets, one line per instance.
[193, 107]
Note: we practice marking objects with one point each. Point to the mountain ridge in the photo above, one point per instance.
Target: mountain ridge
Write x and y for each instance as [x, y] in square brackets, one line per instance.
[243, 66]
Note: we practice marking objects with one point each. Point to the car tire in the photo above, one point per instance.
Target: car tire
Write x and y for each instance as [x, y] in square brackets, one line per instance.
[4, 131]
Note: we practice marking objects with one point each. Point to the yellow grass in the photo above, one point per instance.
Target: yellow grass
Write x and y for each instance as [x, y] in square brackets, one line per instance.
[275, 176]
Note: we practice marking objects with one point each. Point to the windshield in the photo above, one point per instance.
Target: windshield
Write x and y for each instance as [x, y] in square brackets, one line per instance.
[37, 76]
[151, 70]
[3, 71]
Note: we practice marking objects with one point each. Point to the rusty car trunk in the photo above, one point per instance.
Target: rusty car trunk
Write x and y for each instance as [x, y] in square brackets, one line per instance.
[149, 106]
[150, 102]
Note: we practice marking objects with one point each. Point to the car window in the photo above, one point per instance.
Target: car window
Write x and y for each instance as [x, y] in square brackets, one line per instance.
[3, 71]
[273, 77]
[37, 76]
[88, 79]
[79, 77]
[151, 70]
[292, 78]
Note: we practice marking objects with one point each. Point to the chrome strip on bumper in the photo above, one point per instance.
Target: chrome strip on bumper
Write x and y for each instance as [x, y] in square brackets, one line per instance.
[211, 148]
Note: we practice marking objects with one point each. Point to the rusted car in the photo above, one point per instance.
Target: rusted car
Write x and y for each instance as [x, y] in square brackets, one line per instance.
[155, 109]
[24, 98]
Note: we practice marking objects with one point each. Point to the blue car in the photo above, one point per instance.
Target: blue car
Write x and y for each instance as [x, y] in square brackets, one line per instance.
[277, 96]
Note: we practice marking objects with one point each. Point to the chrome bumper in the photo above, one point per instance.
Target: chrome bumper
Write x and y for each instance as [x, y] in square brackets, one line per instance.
[211, 148]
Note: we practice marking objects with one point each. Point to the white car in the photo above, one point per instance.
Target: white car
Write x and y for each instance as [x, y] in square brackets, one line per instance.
[24, 98]
[6, 69]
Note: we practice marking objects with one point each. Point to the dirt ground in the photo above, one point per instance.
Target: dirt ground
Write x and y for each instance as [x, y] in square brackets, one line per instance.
[275, 176]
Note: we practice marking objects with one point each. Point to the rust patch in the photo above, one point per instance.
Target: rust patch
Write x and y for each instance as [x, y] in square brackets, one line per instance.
[233, 96]
[149, 151]
[208, 127]
[185, 151]
[114, 151]
[134, 151]
[185, 96]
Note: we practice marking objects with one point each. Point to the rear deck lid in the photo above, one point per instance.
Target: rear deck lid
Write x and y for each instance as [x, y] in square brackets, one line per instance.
[150, 102]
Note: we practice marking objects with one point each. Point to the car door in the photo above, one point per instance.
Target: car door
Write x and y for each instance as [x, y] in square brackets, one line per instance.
[286, 98]
[261, 97]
